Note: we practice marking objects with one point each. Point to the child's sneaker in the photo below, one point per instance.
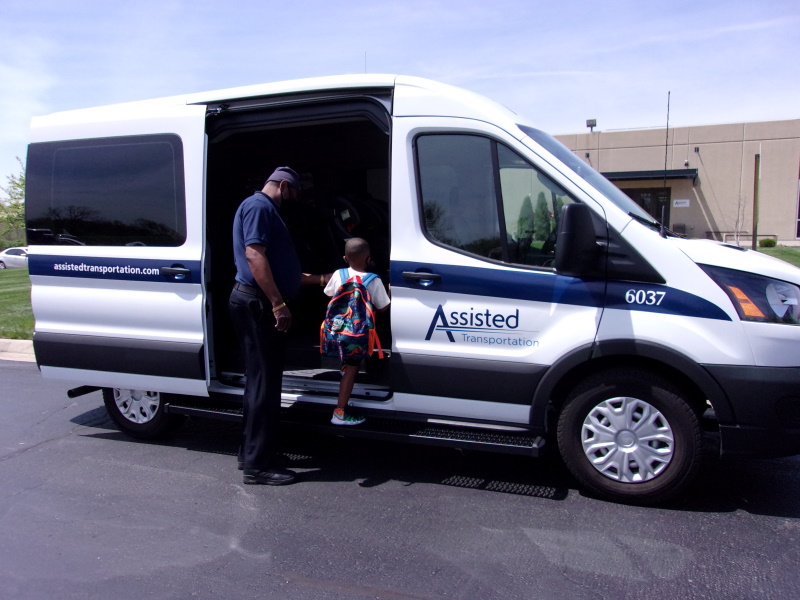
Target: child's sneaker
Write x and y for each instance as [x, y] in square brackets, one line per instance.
[342, 418]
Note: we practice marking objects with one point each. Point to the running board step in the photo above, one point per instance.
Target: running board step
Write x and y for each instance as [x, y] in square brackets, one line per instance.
[466, 437]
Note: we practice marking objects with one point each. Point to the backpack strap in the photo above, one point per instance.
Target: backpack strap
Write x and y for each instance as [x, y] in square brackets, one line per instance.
[375, 343]
[344, 275]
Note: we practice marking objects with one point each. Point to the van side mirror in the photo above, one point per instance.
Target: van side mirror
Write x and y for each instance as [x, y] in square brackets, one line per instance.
[577, 251]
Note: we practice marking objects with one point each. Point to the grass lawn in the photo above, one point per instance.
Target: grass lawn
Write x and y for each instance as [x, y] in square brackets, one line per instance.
[790, 254]
[16, 318]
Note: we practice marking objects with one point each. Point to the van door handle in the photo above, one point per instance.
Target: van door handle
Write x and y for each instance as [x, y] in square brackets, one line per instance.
[421, 276]
[177, 271]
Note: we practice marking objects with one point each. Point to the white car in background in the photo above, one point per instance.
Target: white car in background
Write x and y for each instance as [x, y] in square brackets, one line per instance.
[14, 257]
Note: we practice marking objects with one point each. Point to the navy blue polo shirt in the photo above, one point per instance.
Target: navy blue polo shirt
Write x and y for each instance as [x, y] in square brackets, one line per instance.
[258, 221]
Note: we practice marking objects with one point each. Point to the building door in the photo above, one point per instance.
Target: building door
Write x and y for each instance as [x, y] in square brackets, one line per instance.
[653, 200]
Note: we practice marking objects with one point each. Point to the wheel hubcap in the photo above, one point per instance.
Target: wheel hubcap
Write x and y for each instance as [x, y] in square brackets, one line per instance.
[137, 406]
[627, 439]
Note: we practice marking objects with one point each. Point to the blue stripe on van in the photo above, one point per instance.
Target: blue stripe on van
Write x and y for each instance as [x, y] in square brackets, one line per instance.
[534, 286]
[100, 267]
[541, 286]
[648, 297]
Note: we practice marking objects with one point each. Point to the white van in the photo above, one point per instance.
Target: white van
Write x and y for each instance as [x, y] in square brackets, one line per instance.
[532, 301]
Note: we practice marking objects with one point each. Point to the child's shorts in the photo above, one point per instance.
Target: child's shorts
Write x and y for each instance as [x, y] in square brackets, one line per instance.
[352, 362]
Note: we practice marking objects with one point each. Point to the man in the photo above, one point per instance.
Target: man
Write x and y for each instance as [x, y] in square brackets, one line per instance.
[267, 275]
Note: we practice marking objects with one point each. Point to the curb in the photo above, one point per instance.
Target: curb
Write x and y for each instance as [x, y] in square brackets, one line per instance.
[21, 350]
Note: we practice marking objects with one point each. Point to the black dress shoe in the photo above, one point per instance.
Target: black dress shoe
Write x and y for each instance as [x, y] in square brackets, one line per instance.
[278, 461]
[269, 477]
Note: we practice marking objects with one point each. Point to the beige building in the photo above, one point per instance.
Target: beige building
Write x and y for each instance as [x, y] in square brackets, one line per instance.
[702, 178]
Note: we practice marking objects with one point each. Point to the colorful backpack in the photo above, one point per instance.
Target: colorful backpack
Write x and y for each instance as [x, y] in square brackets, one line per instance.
[348, 331]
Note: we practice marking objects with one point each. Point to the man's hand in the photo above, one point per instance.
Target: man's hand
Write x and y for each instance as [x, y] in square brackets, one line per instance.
[283, 319]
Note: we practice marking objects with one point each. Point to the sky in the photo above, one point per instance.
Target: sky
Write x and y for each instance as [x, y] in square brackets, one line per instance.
[558, 63]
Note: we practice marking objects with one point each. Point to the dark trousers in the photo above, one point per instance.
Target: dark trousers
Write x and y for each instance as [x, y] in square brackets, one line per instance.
[263, 349]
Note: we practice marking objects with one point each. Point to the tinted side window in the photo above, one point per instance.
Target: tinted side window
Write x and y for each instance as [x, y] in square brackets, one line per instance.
[459, 192]
[125, 191]
[480, 197]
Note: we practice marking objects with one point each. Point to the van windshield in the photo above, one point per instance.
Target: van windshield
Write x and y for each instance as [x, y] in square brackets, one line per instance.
[585, 171]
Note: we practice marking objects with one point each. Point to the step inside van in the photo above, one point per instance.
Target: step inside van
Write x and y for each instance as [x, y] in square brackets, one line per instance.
[534, 305]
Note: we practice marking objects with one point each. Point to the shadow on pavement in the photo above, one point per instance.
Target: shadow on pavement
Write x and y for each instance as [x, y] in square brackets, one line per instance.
[322, 458]
[766, 487]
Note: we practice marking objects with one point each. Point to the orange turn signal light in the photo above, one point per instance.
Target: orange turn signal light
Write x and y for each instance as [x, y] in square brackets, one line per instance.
[748, 306]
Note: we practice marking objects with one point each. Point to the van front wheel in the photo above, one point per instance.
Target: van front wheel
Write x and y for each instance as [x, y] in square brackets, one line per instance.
[138, 413]
[630, 436]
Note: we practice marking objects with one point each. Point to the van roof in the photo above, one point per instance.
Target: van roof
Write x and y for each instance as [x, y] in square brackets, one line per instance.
[413, 96]
[315, 84]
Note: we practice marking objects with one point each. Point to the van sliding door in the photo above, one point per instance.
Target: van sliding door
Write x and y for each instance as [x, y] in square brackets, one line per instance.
[115, 229]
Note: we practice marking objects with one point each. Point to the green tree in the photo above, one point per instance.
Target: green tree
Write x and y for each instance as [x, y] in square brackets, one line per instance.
[558, 204]
[12, 209]
[525, 220]
[542, 217]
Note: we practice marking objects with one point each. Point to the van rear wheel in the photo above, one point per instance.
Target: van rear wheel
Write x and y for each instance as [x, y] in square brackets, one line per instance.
[139, 413]
[629, 435]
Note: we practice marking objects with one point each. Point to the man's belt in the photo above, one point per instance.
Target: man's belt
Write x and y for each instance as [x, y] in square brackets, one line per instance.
[249, 289]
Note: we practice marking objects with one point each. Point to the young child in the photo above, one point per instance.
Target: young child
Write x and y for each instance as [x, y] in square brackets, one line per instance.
[357, 256]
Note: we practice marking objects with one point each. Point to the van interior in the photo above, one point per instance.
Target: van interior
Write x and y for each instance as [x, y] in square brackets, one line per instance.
[341, 149]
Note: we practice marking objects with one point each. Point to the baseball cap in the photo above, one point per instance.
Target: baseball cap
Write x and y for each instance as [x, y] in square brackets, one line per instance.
[286, 174]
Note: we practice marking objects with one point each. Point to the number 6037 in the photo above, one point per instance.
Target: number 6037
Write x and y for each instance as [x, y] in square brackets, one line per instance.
[647, 297]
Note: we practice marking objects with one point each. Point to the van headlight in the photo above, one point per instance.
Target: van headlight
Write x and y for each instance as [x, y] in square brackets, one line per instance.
[759, 298]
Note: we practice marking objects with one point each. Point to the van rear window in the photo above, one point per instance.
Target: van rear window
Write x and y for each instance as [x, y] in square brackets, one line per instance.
[123, 191]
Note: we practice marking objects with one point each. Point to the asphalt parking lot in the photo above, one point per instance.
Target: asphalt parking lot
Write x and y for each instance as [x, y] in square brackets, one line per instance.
[89, 513]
